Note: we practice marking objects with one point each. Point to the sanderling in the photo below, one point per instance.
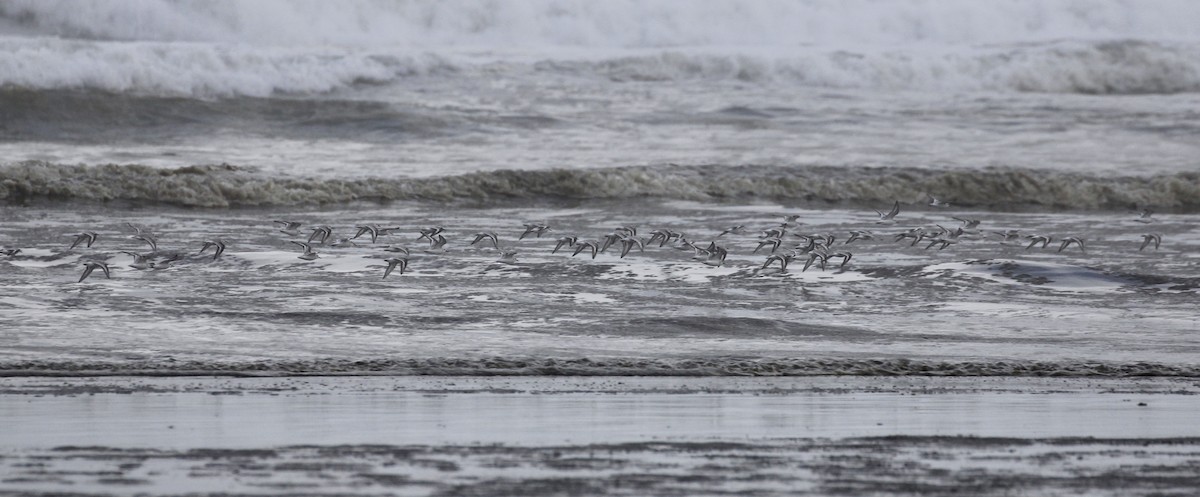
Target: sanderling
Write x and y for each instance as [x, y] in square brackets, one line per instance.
[149, 239]
[1009, 237]
[10, 252]
[166, 263]
[628, 242]
[488, 235]
[716, 254]
[397, 248]
[859, 235]
[845, 256]
[733, 230]
[309, 254]
[90, 266]
[393, 263]
[508, 255]
[365, 229]
[1149, 238]
[217, 243]
[1036, 239]
[429, 233]
[140, 261]
[588, 244]
[320, 233]
[890, 216]
[1144, 216]
[290, 228]
[437, 244]
[813, 257]
[967, 223]
[935, 202]
[1066, 242]
[566, 241]
[86, 236]
[782, 259]
[774, 242]
[536, 229]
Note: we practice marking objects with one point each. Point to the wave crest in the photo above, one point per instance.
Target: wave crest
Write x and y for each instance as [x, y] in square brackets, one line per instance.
[232, 186]
[527, 366]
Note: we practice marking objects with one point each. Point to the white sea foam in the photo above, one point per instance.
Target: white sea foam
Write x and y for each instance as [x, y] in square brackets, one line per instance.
[217, 49]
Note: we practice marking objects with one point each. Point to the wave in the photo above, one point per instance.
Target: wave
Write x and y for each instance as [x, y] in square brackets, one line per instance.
[524, 366]
[232, 186]
[589, 24]
[208, 71]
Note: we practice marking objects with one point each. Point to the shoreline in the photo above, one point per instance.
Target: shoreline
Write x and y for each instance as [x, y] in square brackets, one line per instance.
[599, 435]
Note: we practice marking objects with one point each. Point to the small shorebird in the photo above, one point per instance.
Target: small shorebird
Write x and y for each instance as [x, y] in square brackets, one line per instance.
[320, 233]
[90, 266]
[393, 263]
[1009, 237]
[168, 262]
[1036, 239]
[217, 243]
[734, 230]
[813, 257]
[845, 256]
[437, 244]
[945, 242]
[1149, 238]
[429, 233]
[782, 259]
[566, 241]
[363, 229]
[140, 261]
[308, 254]
[508, 255]
[593, 245]
[86, 236]
[10, 252]
[859, 235]
[774, 242]
[935, 202]
[1066, 242]
[664, 236]
[714, 255]
[148, 238]
[629, 242]
[535, 229]
[489, 235]
[890, 216]
[397, 248]
[290, 228]
[967, 224]
[1144, 216]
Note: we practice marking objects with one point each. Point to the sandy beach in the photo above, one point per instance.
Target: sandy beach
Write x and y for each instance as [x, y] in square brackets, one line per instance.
[599, 436]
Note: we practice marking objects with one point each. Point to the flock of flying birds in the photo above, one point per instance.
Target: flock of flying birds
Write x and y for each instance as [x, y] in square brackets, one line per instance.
[785, 245]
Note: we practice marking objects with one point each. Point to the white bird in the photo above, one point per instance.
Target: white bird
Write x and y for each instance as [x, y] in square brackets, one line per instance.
[890, 216]
[536, 229]
[86, 236]
[320, 232]
[1149, 238]
[217, 243]
[1144, 216]
[290, 228]
[1066, 242]
[90, 266]
[393, 263]
[140, 261]
[308, 254]
[488, 235]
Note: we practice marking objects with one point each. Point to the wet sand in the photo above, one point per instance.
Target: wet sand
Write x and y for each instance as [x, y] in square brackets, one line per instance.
[600, 436]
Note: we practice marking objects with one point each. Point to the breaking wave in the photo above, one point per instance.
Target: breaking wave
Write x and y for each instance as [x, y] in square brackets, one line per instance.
[262, 48]
[209, 71]
[520, 366]
[233, 186]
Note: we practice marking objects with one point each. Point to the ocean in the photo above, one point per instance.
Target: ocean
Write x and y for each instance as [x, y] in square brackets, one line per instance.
[198, 120]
